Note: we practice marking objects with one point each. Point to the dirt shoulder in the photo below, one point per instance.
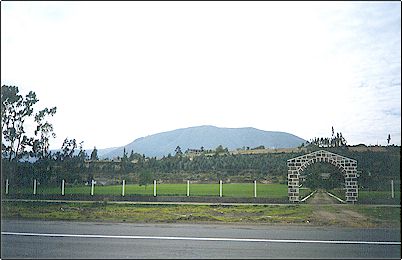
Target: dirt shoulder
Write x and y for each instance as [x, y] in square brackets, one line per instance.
[328, 211]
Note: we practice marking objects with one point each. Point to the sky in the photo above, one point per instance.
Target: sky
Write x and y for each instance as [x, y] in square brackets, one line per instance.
[118, 71]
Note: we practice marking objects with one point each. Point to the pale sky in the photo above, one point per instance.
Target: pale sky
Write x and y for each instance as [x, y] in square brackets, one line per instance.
[118, 71]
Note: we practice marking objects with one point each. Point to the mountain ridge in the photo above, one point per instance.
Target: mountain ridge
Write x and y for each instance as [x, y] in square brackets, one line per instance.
[207, 136]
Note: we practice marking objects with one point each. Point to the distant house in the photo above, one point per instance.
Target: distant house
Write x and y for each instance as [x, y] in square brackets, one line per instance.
[194, 151]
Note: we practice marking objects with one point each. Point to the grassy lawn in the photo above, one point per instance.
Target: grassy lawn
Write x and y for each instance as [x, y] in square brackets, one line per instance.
[302, 214]
[243, 190]
[303, 192]
[377, 197]
[379, 194]
[99, 211]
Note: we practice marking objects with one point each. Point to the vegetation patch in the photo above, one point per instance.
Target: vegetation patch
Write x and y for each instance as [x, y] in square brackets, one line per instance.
[338, 215]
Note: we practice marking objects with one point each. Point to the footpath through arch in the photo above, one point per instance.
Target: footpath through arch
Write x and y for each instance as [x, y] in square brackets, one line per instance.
[347, 166]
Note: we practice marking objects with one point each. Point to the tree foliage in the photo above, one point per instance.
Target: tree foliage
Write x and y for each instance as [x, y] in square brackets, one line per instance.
[15, 111]
[145, 178]
[94, 155]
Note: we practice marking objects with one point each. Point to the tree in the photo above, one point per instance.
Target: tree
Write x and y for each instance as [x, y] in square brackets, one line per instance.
[145, 178]
[178, 151]
[82, 154]
[125, 158]
[336, 141]
[220, 149]
[70, 165]
[15, 110]
[132, 156]
[389, 138]
[40, 146]
[94, 154]
[68, 147]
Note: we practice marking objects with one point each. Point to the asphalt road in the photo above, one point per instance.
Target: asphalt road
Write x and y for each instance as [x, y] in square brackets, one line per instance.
[57, 239]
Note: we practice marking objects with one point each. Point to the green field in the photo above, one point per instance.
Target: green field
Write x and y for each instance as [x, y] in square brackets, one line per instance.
[234, 190]
[241, 190]
[372, 197]
[379, 194]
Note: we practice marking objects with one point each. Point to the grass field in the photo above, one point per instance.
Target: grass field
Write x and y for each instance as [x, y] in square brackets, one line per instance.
[235, 190]
[376, 197]
[241, 190]
[379, 194]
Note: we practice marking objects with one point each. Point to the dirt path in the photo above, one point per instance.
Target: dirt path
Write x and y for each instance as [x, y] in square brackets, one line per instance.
[321, 197]
[324, 214]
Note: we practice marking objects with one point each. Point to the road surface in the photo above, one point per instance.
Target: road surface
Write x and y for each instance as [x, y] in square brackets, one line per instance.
[58, 239]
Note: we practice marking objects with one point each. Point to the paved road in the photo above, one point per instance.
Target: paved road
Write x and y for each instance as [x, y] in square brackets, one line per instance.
[38, 239]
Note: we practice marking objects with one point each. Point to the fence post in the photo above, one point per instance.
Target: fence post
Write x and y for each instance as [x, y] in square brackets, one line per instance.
[6, 186]
[392, 189]
[220, 188]
[34, 187]
[62, 187]
[122, 191]
[188, 188]
[255, 189]
[92, 187]
[154, 188]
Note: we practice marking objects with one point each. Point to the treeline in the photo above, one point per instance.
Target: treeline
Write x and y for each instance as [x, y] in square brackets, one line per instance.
[77, 169]
[375, 168]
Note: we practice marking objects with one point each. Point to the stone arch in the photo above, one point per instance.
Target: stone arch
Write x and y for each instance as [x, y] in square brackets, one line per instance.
[347, 166]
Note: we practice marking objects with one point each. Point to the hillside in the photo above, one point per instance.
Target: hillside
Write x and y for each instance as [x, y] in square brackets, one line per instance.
[209, 137]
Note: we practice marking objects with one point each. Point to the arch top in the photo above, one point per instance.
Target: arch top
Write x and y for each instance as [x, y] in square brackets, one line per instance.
[320, 154]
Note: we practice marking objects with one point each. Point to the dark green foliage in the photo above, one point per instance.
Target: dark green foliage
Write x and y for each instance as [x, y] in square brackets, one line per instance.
[315, 180]
[15, 110]
[178, 151]
[335, 141]
[376, 169]
[94, 154]
[145, 178]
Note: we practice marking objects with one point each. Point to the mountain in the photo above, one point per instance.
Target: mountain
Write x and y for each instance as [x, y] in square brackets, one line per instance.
[209, 137]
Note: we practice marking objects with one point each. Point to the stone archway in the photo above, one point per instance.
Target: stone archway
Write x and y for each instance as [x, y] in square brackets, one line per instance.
[346, 165]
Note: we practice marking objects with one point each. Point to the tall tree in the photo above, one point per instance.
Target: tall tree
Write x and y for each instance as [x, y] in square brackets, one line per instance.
[125, 158]
[15, 110]
[44, 129]
[68, 147]
[132, 156]
[94, 154]
[178, 151]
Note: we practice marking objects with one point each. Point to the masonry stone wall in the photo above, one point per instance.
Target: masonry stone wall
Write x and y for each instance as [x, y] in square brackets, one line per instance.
[347, 166]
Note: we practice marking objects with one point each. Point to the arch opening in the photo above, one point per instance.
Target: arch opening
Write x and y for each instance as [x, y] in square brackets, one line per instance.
[322, 176]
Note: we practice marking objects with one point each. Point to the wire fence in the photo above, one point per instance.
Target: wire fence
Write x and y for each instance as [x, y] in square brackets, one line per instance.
[188, 188]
